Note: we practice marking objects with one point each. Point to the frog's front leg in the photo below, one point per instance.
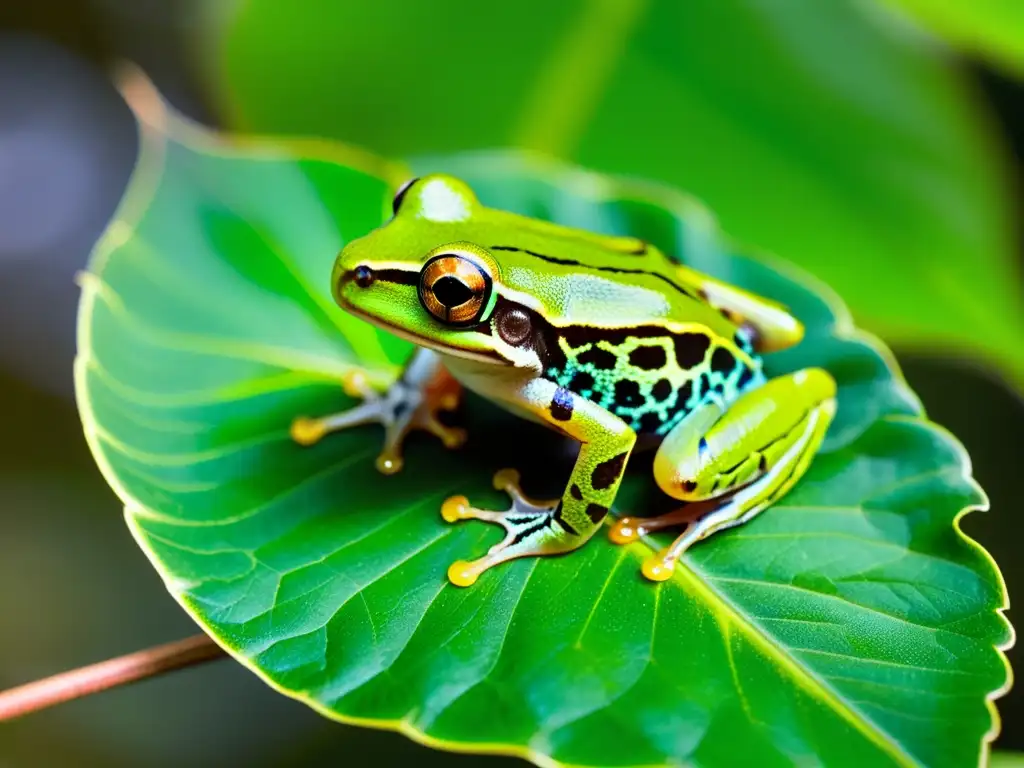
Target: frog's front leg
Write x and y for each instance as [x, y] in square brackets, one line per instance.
[412, 402]
[749, 456]
[545, 528]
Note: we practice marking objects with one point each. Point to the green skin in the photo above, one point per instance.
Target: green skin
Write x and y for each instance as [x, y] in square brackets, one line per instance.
[603, 339]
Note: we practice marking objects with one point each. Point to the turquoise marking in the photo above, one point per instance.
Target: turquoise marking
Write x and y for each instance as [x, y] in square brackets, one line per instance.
[628, 391]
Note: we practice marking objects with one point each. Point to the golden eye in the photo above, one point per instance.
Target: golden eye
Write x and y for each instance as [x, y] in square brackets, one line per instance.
[454, 289]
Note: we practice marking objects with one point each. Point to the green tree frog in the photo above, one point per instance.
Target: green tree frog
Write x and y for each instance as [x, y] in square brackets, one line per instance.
[603, 339]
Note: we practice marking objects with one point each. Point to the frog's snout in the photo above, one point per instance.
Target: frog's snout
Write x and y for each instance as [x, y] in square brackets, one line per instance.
[361, 275]
[352, 279]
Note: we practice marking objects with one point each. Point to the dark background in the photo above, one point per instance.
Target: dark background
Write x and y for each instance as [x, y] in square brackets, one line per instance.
[76, 589]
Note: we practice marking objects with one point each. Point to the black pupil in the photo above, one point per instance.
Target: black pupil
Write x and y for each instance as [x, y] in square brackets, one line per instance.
[451, 291]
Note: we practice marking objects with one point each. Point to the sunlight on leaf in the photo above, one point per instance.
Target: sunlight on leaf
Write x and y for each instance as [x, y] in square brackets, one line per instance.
[850, 624]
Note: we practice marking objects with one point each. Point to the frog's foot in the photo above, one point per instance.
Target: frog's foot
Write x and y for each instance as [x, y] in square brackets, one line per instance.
[628, 529]
[775, 452]
[404, 407]
[736, 511]
[700, 519]
[529, 528]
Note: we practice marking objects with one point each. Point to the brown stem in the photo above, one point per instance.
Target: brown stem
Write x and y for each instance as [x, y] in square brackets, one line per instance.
[95, 678]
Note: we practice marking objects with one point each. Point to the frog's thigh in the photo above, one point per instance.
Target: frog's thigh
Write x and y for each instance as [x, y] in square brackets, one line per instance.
[755, 451]
[539, 528]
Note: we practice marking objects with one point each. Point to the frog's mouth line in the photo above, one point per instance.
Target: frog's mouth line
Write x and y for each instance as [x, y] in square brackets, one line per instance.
[491, 358]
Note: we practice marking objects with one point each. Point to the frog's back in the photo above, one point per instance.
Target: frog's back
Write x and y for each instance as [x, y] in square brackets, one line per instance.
[621, 328]
[575, 279]
[650, 376]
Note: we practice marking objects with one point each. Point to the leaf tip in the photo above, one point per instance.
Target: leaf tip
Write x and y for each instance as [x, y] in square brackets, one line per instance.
[140, 94]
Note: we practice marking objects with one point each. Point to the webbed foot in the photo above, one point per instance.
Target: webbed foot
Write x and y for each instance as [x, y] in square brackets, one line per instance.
[775, 451]
[659, 566]
[628, 529]
[412, 402]
[529, 528]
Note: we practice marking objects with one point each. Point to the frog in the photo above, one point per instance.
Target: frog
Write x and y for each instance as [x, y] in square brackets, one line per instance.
[604, 339]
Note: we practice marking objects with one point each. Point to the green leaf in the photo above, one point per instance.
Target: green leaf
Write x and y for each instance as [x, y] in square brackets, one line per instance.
[992, 28]
[817, 131]
[853, 623]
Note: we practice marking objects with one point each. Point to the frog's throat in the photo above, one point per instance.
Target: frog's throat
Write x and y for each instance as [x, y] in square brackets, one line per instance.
[490, 358]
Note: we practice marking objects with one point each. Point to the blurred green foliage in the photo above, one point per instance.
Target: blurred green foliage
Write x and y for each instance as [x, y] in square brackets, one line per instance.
[822, 132]
[205, 332]
[993, 29]
[1007, 760]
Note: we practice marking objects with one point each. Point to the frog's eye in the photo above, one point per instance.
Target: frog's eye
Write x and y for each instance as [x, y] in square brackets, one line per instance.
[396, 203]
[454, 289]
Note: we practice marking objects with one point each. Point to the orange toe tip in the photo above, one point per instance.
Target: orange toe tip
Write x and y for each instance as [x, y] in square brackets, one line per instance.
[624, 531]
[505, 479]
[455, 509]
[354, 383]
[388, 464]
[454, 438]
[306, 431]
[462, 573]
[655, 568]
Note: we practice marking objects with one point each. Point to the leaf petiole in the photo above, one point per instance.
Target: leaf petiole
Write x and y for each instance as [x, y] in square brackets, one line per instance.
[95, 678]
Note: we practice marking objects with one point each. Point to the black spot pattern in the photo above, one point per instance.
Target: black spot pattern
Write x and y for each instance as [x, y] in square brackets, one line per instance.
[607, 472]
[581, 382]
[702, 385]
[627, 393]
[596, 512]
[746, 338]
[648, 357]
[637, 376]
[722, 360]
[690, 349]
[684, 394]
[576, 493]
[650, 421]
[745, 376]
[601, 359]
[662, 389]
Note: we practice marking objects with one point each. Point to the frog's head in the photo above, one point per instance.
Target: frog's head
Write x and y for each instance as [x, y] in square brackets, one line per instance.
[422, 277]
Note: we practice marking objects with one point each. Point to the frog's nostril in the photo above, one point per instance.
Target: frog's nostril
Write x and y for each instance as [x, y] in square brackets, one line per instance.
[363, 276]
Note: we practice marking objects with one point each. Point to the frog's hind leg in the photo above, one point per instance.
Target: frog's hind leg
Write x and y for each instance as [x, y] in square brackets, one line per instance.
[749, 456]
[527, 525]
[551, 527]
[412, 402]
